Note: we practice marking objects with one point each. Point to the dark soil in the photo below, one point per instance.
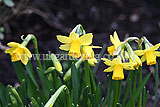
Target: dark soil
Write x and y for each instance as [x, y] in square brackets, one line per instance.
[47, 18]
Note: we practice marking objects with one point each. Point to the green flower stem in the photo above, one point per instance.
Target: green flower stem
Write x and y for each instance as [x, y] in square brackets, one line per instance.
[119, 90]
[34, 40]
[135, 80]
[156, 84]
[140, 81]
[67, 76]
[52, 100]
[87, 76]
[115, 92]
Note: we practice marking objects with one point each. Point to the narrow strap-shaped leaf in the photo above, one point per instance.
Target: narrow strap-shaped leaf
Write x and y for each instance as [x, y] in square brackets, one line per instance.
[75, 84]
[92, 80]
[98, 93]
[31, 73]
[101, 54]
[156, 84]
[87, 75]
[139, 89]
[85, 96]
[44, 82]
[19, 71]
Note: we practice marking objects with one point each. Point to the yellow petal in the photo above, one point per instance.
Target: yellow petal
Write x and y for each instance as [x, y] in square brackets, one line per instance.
[73, 36]
[63, 39]
[24, 59]
[112, 39]
[116, 61]
[111, 49]
[139, 52]
[92, 61]
[96, 47]
[109, 69]
[116, 38]
[13, 44]
[143, 58]
[107, 61]
[10, 50]
[87, 52]
[86, 39]
[157, 53]
[128, 66]
[27, 52]
[65, 47]
[155, 47]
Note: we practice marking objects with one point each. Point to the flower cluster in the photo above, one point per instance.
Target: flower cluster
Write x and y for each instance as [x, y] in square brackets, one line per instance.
[133, 62]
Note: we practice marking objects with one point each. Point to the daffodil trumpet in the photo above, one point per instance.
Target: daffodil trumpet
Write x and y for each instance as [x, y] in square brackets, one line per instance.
[117, 67]
[149, 54]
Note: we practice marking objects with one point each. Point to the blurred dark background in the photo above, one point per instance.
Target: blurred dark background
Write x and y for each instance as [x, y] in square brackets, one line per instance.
[47, 18]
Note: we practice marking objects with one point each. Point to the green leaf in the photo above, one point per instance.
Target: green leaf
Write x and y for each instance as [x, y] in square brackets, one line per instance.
[92, 80]
[98, 92]
[22, 90]
[44, 82]
[85, 96]
[19, 71]
[9, 3]
[3, 95]
[31, 73]
[100, 56]
[87, 75]
[156, 84]
[75, 84]
[139, 89]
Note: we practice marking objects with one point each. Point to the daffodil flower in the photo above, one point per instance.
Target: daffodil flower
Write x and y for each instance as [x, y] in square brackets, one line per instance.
[137, 62]
[73, 43]
[18, 52]
[133, 57]
[117, 67]
[88, 54]
[149, 54]
[116, 43]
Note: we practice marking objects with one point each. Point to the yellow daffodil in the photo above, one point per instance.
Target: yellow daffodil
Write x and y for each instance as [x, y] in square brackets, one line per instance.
[18, 52]
[73, 43]
[117, 67]
[115, 41]
[87, 53]
[149, 54]
[137, 62]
